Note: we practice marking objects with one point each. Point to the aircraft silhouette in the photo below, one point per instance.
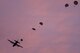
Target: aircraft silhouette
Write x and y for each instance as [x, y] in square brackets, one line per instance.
[16, 43]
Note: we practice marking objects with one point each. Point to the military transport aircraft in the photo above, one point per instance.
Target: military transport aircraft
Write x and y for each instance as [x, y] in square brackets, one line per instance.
[16, 43]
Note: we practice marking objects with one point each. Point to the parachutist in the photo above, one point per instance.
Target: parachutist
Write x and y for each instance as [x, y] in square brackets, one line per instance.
[41, 23]
[21, 39]
[76, 2]
[33, 29]
[66, 5]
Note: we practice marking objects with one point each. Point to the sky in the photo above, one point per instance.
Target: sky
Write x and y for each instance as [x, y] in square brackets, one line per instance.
[60, 32]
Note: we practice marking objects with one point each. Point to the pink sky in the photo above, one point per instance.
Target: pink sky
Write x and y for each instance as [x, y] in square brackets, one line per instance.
[59, 34]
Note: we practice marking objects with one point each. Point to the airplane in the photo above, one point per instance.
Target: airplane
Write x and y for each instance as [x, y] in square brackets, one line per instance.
[16, 43]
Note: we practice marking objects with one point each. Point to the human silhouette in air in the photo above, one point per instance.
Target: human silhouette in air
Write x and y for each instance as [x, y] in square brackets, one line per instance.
[76, 2]
[66, 5]
[41, 23]
[33, 29]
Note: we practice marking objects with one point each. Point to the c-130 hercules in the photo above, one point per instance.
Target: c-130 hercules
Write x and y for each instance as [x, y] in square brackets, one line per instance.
[16, 43]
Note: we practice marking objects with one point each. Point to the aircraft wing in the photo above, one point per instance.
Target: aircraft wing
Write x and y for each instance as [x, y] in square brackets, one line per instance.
[11, 41]
[19, 46]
